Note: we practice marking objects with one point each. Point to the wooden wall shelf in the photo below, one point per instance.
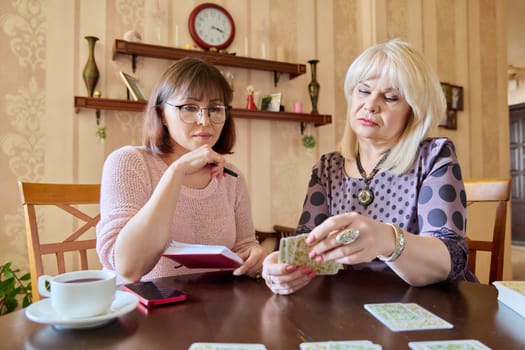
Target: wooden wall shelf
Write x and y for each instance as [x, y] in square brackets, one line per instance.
[135, 49]
[139, 106]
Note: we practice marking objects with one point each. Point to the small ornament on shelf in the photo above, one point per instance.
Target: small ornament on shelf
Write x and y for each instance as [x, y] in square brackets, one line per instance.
[101, 130]
[308, 141]
[308, 138]
[132, 35]
[250, 102]
[101, 133]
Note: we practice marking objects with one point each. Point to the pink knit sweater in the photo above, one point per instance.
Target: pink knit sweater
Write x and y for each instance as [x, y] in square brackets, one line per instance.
[218, 214]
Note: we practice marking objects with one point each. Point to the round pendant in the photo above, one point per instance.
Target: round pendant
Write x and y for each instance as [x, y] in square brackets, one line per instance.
[365, 197]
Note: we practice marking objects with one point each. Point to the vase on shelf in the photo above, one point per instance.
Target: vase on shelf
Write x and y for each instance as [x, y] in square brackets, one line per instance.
[313, 86]
[90, 72]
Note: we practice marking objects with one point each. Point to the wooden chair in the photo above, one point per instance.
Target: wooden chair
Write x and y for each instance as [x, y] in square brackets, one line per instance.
[66, 197]
[278, 233]
[496, 191]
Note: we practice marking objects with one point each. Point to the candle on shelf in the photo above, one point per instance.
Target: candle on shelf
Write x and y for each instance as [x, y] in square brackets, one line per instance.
[246, 52]
[176, 35]
[298, 107]
[281, 54]
[263, 50]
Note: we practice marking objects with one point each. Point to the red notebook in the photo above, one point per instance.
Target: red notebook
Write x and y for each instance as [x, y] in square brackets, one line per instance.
[202, 256]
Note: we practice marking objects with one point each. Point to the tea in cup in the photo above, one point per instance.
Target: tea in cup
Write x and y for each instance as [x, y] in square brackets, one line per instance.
[79, 294]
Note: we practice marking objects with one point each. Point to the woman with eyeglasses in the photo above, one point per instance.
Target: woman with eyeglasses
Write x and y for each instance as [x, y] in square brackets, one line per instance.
[177, 185]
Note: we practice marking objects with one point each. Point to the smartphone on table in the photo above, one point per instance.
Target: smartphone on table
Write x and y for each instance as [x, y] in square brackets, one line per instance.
[151, 294]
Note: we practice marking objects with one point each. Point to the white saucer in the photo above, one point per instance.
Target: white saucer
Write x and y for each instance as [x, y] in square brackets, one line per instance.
[43, 312]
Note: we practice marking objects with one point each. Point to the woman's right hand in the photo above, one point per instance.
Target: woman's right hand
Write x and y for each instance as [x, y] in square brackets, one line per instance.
[200, 158]
[285, 278]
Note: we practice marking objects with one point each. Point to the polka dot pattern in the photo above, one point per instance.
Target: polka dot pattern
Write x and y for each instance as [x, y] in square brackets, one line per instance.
[428, 199]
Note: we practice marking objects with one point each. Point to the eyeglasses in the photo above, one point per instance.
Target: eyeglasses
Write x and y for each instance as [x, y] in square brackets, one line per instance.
[193, 113]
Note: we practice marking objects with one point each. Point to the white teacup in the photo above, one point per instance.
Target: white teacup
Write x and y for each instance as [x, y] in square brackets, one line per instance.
[80, 294]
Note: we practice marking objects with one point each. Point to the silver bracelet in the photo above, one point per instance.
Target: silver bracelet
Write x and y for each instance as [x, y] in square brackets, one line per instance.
[400, 245]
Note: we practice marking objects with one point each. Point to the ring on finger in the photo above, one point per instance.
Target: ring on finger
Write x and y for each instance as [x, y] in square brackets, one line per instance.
[269, 280]
[347, 236]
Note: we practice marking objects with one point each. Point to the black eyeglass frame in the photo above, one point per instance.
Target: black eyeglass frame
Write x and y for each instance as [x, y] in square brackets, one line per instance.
[226, 108]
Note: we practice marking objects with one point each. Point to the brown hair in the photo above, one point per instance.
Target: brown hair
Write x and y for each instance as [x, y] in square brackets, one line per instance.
[188, 77]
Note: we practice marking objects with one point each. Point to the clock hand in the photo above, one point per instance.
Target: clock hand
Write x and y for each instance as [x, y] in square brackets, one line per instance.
[217, 29]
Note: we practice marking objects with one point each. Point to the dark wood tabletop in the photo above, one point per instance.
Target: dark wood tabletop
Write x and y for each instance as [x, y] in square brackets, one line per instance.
[223, 308]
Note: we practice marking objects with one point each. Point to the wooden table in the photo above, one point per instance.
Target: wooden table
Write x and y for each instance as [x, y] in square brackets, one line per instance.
[222, 308]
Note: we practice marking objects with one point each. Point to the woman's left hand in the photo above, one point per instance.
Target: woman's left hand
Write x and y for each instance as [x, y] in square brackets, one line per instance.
[253, 258]
[374, 238]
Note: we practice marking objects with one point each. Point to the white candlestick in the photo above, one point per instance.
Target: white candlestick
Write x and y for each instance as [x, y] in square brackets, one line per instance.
[281, 54]
[263, 50]
[176, 35]
[246, 52]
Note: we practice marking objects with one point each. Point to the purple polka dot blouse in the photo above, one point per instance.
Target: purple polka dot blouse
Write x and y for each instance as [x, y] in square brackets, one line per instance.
[429, 199]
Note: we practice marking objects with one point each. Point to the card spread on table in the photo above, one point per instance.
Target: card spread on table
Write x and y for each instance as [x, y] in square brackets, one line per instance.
[341, 345]
[467, 344]
[226, 346]
[294, 250]
[406, 317]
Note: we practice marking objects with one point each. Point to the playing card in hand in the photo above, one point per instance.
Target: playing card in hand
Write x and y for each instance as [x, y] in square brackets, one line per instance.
[294, 250]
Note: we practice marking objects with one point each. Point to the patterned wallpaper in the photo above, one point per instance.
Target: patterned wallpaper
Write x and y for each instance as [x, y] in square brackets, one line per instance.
[23, 103]
[42, 137]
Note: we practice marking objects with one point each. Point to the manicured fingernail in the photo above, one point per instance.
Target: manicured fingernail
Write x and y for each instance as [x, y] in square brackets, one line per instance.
[309, 239]
[291, 268]
[312, 254]
[319, 259]
[306, 270]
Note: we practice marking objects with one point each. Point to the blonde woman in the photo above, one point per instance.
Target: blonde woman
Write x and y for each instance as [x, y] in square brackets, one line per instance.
[392, 198]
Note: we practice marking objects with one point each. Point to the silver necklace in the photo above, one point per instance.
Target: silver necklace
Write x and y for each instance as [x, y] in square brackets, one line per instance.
[366, 196]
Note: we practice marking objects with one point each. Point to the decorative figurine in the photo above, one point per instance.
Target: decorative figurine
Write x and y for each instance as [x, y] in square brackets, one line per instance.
[250, 103]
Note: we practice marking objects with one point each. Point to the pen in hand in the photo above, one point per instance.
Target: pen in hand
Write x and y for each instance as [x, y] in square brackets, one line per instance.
[226, 170]
[230, 172]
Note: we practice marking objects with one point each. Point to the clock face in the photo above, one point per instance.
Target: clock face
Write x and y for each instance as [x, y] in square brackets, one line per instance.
[211, 26]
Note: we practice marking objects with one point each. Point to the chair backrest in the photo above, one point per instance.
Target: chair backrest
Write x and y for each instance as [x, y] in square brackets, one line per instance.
[496, 191]
[67, 197]
[277, 233]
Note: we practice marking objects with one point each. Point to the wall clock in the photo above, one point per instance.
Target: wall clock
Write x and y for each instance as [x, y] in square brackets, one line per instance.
[211, 26]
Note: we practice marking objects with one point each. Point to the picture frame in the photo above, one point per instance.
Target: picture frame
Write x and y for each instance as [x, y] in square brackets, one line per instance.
[271, 102]
[446, 92]
[133, 86]
[450, 121]
[456, 97]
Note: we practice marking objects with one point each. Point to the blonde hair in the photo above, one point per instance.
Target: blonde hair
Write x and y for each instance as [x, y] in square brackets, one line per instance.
[407, 71]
